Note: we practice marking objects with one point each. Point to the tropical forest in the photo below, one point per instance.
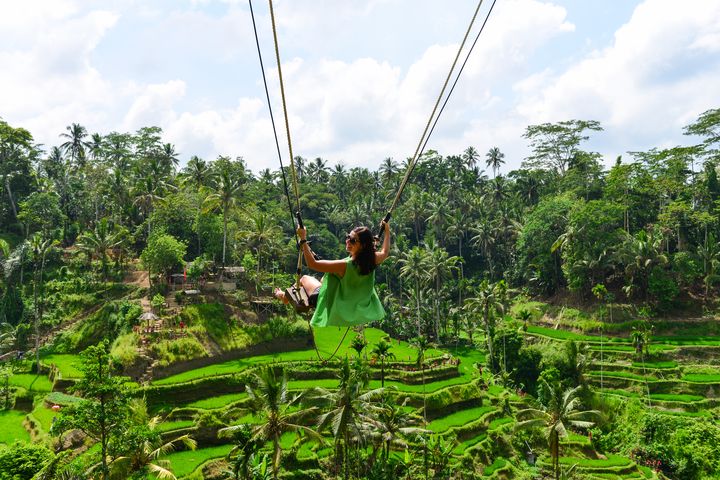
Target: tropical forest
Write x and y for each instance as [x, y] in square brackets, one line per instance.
[556, 321]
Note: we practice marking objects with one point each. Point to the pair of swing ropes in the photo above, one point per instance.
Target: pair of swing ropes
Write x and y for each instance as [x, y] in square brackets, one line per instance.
[427, 132]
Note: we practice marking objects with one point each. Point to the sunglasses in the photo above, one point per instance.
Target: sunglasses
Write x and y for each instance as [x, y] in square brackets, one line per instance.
[350, 239]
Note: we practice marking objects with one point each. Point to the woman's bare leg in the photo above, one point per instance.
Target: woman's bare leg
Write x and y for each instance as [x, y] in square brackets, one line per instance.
[309, 283]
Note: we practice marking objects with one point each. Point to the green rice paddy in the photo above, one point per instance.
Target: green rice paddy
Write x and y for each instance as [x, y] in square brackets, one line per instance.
[12, 427]
[462, 417]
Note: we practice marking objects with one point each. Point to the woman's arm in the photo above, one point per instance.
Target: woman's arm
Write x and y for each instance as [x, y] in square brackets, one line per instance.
[385, 250]
[326, 266]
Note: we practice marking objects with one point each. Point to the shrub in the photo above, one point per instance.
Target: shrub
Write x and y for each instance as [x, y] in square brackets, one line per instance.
[22, 461]
[663, 288]
[124, 349]
[177, 350]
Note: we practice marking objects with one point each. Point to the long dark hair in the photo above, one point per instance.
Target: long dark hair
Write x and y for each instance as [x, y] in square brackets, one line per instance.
[365, 258]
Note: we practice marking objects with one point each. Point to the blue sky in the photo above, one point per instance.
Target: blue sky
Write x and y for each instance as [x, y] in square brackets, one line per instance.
[360, 77]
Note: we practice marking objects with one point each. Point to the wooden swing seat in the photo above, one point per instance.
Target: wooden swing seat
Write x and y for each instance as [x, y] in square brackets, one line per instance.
[298, 298]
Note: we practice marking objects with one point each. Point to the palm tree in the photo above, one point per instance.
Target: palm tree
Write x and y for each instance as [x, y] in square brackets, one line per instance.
[709, 254]
[226, 190]
[413, 266]
[96, 146]
[423, 345]
[439, 267]
[641, 253]
[493, 159]
[8, 337]
[388, 170]
[39, 246]
[560, 413]
[260, 234]
[349, 412]
[471, 157]
[146, 446]
[169, 156]
[76, 144]
[439, 217]
[150, 187]
[488, 302]
[243, 452]
[358, 343]
[393, 425]
[271, 400]
[485, 237]
[381, 351]
[99, 241]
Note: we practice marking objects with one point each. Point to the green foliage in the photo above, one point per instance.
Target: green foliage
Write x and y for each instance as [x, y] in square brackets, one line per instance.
[21, 461]
[181, 349]
[124, 349]
[163, 255]
[111, 320]
[537, 263]
[663, 287]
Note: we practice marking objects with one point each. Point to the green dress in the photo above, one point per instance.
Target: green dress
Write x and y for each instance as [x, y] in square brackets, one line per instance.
[347, 301]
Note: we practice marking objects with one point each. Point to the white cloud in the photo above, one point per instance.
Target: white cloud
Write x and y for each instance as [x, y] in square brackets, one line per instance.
[658, 75]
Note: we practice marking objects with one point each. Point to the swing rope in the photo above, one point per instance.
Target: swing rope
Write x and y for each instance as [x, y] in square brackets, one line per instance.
[427, 132]
[293, 170]
[411, 165]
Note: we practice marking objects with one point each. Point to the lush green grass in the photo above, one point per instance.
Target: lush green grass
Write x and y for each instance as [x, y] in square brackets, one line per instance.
[663, 397]
[62, 398]
[462, 417]
[44, 415]
[657, 365]
[11, 428]
[499, 422]
[628, 375]
[463, 446]
[496, 465]
[185, 462]
[219, 401]
[701, 377]
[577, 439]
[567, 335]
[688, 340]
[168, 426]
[610, 461]
[327, 340]
[676, 397]
[66, 363]
[31, 382]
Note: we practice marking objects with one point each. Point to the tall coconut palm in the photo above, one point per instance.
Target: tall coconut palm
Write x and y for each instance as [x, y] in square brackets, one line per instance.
[381, 351]
[271, 400]
[76, 143]
[261, 235]
[99, 241]
[413, 266]
[493, 159]
[144, 447]
[471, 156]
[560, 413]
[349, 412]
[440, 267]
[709, 255]
[393, 426]
[226, 189]
[487, 303]
[422, 344]
[484, 236]
[39, 246]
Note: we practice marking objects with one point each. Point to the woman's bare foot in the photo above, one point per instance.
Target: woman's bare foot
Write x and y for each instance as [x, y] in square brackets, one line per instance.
[280, 295]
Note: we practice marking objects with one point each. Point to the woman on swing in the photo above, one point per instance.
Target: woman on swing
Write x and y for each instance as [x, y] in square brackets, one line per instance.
[346, 296]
